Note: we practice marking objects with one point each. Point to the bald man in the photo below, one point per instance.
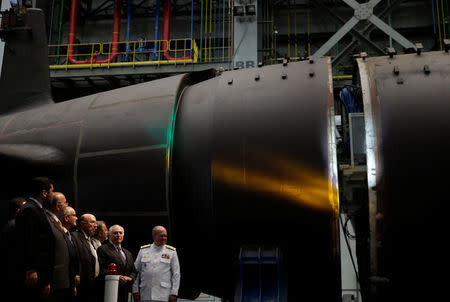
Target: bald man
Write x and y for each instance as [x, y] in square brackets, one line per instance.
[69, 222]
[60, 283]
[88, 258]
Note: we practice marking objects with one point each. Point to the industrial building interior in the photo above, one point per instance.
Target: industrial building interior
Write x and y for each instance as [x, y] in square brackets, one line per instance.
[281, 29]
[100, 45]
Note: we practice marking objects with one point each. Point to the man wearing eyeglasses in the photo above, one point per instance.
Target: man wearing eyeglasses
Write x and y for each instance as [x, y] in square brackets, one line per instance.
[89, 265]
[69, 223]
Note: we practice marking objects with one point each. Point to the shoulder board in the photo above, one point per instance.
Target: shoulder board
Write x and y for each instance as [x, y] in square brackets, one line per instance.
[144, 246]
[171, 247]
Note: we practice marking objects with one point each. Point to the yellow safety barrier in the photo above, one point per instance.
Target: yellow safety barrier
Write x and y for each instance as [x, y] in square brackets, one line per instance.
[216, 54]
[130, 53]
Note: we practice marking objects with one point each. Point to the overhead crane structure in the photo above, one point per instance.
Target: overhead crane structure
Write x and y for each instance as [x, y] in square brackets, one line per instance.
[251, 158]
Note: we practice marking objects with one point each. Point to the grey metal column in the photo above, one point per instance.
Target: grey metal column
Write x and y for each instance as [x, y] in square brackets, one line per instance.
[245, 31]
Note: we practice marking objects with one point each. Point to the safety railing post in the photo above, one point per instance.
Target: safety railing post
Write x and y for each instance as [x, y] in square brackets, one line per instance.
[134, 54]
[67, 56]
[92, 55]
[184, 50]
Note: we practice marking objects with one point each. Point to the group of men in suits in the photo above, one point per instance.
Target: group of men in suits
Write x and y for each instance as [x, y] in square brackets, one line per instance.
[53, 261]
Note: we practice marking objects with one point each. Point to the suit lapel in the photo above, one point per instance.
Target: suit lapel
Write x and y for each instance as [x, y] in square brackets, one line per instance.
[129, 259]
[115, 255]
[55, 224]
[86, 243]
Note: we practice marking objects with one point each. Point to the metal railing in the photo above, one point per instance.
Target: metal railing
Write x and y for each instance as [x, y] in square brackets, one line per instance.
[129, 53]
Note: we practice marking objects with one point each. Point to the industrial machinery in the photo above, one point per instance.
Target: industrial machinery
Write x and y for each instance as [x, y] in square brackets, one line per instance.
[242, 167]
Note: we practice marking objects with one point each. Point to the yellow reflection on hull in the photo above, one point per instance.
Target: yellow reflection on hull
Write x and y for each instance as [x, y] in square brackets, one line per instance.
[287, 180]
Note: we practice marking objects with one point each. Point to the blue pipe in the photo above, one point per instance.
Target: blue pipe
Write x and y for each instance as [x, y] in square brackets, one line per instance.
[434, 18]
[128, 48]
[192, 27]
[128, 21]
[155, 48]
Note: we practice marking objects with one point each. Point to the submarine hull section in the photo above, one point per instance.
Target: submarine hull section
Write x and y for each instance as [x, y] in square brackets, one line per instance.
[253, 165]
[246, 158]
[406, 108]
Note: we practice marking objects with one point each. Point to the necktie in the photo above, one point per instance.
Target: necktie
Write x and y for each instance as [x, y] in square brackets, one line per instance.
[94, 253]
[68, 235]
[122, 255]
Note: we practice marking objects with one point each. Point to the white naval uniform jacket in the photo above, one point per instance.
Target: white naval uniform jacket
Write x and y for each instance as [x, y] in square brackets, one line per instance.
[158, 272]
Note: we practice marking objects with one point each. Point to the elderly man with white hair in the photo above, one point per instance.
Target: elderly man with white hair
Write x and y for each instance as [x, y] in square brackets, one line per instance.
[158, 270]
[114, 252]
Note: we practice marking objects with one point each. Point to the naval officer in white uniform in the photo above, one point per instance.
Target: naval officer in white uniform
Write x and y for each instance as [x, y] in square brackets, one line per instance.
[158, 270]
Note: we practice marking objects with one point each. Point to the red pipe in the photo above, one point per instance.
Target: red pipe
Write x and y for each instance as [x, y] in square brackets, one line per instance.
[166, 33]
[115, 35]
[72, 33]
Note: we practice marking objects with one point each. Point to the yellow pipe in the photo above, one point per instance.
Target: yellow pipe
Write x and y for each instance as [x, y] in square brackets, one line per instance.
[343, 77]
[443, 17]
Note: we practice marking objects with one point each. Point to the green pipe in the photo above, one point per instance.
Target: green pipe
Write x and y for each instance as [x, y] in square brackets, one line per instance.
[201, 29]
[52, 15]
[61, 13]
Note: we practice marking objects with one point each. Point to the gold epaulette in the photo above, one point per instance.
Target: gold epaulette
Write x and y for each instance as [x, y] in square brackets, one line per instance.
[171, 247]
[144, 246]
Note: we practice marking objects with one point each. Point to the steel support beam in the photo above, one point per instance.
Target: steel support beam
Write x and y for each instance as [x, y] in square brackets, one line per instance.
[366, 32]
[363, 11]
[356, 34]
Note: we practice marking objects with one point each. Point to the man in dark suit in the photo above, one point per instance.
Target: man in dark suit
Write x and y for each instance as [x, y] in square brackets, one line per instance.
[69, 222]
[113, 252]
[60, 285]
[8, 239]
[88, 258]
[35, 242]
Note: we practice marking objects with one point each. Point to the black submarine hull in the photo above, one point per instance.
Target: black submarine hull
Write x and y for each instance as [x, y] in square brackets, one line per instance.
[244, 158]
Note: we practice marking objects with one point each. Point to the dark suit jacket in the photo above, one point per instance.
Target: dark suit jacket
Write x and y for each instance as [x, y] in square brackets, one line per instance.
[36, 243]
[61, 276]
[87, 264]
[107, 254]
[74, 268]
[8, 252]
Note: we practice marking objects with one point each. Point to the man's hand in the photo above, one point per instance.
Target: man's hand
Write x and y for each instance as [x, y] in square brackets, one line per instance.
[31, 279]
[137, 297]
[77, 280]
[124, 279]
[45, 292]
[172, 298]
